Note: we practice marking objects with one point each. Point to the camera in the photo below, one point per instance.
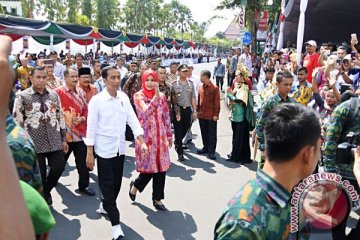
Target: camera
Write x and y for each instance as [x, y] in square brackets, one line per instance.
[344, 152]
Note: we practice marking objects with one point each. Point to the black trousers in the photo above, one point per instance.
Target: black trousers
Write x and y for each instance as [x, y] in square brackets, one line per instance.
[110, 172]
[219, 82]
[181, 127]
[158, 183]
[79, 149]
[240, 141]
[208, 134]
[56, 163]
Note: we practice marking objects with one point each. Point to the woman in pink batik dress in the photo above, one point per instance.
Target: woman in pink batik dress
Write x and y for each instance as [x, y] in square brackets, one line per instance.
[153, 113]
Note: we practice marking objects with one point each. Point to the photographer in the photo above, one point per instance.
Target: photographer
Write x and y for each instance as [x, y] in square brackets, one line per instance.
[344, 120]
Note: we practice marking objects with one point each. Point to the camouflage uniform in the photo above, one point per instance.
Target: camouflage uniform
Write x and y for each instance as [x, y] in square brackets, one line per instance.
[334, 136]
[260, 210]
[265, 110]
[23, 152]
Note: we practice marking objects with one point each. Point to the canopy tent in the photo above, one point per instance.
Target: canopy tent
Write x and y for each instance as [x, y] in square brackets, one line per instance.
[330, 20]
[50, 33]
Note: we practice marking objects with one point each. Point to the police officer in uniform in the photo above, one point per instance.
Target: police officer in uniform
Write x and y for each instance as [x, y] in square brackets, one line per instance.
[186, 99]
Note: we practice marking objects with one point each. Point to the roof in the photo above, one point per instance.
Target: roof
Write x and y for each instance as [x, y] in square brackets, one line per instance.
[233, 29]
[325, 21]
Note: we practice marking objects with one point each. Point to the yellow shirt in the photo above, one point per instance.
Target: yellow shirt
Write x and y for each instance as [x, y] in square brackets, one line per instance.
[23, 76]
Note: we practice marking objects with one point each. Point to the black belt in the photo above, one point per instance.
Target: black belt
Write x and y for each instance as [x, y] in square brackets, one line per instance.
[184, 107]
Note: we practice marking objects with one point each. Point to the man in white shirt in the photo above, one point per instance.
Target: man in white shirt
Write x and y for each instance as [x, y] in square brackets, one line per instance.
[58, 67]
[120, 63]
[196, 80]
[245, 58]
[108, 114]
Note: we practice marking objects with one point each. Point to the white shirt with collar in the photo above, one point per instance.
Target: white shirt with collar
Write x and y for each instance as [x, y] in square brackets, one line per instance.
[59, 70]
[196, 80]
[123, 72]
[106, 123]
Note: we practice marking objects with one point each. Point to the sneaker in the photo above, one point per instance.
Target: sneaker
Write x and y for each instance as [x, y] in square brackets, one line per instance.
[117, 232]
[101, 209]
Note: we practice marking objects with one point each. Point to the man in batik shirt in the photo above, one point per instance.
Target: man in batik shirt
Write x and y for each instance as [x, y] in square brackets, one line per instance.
[261, 209]
[74, 107]
[85, 83]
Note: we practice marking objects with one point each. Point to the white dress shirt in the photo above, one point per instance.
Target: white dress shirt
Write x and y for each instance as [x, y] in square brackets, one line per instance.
[59, 70]
[196, 81]
[123, 72]
[246, 60]
[106, 123]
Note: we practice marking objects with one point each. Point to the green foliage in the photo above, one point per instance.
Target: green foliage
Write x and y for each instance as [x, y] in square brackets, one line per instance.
[87, 9]
[54, 9]
[27, 7]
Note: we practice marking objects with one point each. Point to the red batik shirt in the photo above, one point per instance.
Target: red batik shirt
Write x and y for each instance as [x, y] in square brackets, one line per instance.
[89, 92]
[73, 105]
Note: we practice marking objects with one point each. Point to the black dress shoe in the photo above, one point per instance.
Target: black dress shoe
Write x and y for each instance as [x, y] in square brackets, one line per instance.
[231, 160]
[212, 156]
[202, 151]
[132, 196]
[160, 207]
[88, 191]
[181, 158]
[247, 161]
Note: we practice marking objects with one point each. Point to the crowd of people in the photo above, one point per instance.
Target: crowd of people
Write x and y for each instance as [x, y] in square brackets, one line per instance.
[67, 105]
[63, 104]
[294, 141]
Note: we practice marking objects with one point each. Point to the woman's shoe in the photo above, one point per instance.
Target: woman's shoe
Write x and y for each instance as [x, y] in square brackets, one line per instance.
[132, 196]
[160, 207]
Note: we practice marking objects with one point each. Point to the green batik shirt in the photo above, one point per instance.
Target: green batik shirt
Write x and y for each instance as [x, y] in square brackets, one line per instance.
[260, 210]
[265, 110]
[23, 152]
[334, 136]
[237, 110]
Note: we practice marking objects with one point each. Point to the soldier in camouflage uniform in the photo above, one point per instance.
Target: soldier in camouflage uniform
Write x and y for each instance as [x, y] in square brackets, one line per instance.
[284, 82]
[165, 88]
[344, 119]
[262, 208]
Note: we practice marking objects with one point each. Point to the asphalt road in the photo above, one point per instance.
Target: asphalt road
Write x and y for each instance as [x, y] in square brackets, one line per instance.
[196, 194]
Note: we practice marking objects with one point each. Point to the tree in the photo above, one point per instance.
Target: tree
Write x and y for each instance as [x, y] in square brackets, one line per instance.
[72, 5]
[27, 7]
[54, 9]
[107, 14]
[251, 7]
[220, 35]
[87, 9]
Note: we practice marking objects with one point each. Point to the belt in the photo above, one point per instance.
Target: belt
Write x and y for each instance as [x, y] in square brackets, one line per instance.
[183, 107]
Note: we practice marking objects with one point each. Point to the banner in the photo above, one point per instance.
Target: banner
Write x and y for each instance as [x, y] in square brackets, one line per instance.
[67, 44]
[263, 20]
[25, 43]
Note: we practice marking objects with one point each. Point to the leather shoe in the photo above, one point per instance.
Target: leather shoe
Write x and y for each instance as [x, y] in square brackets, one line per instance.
[132, 196]
[231, 160]
[88, 191]
[212, 156]
[181, 158]
[202, 151]
[160, 207]
[247, 161]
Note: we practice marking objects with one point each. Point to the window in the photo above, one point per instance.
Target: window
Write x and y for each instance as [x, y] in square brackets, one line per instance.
[13, 11]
